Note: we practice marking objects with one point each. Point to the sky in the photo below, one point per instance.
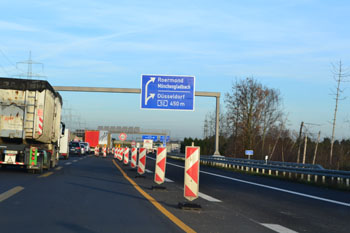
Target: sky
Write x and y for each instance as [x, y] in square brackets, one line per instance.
[286, 45]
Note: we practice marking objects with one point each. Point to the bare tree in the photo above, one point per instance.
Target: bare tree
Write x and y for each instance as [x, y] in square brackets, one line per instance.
[339, 75]
[210, 124]
[252, 110]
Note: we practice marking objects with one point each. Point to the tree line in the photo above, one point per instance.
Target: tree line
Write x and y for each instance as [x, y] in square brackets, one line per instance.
[254, 120]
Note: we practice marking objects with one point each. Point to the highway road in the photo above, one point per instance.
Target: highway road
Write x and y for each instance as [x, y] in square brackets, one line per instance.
[89, 194]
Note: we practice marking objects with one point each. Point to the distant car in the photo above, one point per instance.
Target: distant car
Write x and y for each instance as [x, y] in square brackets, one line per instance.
[87, 147]
[75, 148]
[82, 148]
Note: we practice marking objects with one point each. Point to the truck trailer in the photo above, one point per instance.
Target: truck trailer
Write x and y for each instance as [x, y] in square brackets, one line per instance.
[92, 137]
[30, 124]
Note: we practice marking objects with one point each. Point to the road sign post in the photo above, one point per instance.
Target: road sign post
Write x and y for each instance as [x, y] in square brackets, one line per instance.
[168, 92]
[249, 153]
[138, 91]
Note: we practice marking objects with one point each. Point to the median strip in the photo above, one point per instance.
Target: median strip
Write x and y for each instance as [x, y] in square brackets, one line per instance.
[164, 211]
[10, 193]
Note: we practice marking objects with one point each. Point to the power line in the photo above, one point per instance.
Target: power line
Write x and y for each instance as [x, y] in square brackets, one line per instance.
[9, 61]
[30, 64]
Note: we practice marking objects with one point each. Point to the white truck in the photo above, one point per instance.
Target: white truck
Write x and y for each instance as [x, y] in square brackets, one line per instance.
[148, 144]
[63, 143]
[30, 124]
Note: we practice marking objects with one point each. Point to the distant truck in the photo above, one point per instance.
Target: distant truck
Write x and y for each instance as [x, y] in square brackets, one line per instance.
[92, 137]
[30, 124]
[148, 144]
[63, 143]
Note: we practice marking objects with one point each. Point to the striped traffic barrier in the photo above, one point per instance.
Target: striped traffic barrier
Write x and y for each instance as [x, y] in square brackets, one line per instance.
[120, 154]
[133, 157]
[191, 185]
[97, 150]
[126, 155]
[104, 152]
[159, 174]
[115, 152]
[142, 161]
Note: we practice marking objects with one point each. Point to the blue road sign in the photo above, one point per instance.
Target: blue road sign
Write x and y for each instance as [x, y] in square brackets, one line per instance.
[249, 152]
[162, 138]
[153, 137]
[167, 92]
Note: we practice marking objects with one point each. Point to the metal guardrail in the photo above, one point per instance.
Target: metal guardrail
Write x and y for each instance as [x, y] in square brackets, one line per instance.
[262, 162]
[293, 170]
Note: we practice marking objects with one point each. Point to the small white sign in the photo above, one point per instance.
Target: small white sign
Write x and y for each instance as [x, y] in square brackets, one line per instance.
[148, 143]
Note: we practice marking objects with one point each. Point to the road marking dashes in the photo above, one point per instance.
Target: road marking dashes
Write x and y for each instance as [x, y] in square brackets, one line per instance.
[168, 180]
[271, 187]
[58, 168]
[278, 228]
[74, 161]
[10, 193]
[148, 171]
[68, 163]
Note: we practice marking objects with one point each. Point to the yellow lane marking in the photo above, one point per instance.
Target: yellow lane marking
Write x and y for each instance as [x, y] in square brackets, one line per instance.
[172, 217]
[10, 193]
[46, 174]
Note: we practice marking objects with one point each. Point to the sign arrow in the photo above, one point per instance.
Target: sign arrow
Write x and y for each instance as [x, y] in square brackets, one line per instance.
[146, 92]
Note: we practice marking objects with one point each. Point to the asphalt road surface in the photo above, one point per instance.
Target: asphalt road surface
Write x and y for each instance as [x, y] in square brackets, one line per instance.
[90, 194]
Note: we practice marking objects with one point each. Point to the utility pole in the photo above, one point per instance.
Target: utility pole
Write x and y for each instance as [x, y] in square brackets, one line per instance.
[305, 145]
[339, 76]
[318, 140]
[299, 140]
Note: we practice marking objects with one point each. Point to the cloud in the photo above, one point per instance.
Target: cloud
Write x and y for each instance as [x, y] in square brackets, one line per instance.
[10, 26]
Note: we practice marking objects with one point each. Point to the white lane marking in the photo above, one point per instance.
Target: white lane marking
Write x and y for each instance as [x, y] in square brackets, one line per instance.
[202, 195]
[74, 161]
[58, 168]
[81, 158]
[68, 163]
[278, 228]
[10, 193]
[148, 171]
[168, 180]
[208, 198]
[273, 188]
